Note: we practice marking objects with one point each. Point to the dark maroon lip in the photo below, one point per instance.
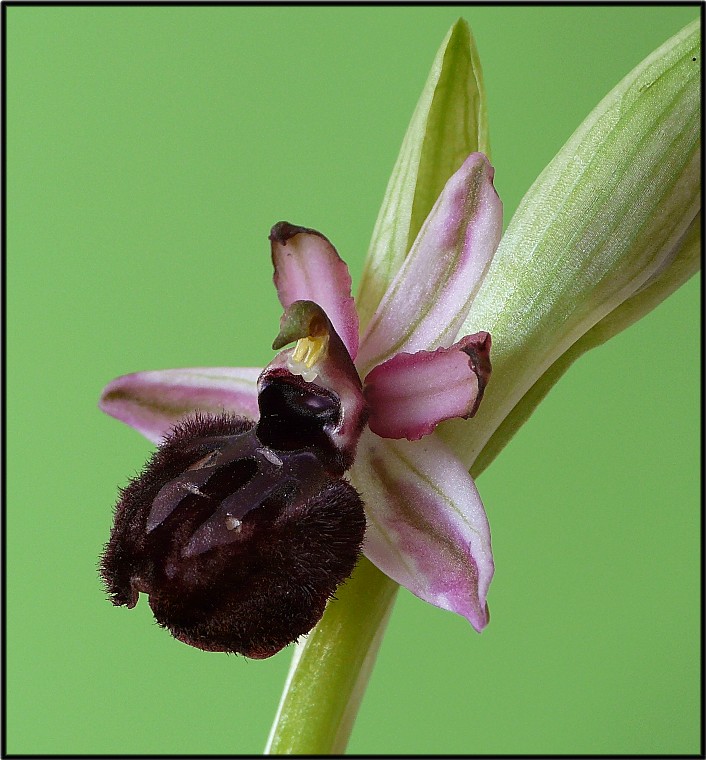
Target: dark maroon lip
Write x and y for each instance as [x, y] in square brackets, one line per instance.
[238, 545]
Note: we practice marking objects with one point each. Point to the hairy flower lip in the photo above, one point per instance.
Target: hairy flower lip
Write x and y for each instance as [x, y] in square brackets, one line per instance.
[254, 585]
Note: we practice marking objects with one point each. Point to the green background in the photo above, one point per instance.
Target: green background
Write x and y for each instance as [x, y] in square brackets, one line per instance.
[149, 152]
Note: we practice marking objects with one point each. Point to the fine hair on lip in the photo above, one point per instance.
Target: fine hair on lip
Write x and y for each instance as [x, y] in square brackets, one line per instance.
[237, 542]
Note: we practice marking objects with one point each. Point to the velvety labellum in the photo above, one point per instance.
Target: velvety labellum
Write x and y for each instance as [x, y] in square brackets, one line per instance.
[238, 535]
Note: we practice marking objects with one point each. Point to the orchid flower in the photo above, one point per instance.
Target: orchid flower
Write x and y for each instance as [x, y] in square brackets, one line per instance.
[426, 526]
[370, 409]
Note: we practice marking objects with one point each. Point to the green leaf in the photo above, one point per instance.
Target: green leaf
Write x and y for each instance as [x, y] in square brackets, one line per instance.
[606, 218]
[448, 124]
[685, 265]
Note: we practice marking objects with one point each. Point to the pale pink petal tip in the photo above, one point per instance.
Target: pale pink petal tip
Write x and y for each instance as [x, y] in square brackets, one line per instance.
[308, 268]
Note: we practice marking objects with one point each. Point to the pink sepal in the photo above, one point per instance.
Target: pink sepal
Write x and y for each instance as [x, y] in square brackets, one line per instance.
[427, 528]
[153, 402]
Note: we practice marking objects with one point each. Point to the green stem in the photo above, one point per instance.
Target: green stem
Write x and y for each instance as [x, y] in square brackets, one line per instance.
[331, 668]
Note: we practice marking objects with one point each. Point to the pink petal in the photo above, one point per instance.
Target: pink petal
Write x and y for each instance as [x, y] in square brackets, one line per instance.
[308, 268]
[410, 394]
[152, 402]
[431, 294]
[427, 528]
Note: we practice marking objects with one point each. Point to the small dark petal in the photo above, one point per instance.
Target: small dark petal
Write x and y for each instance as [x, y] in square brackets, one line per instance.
[237, 545]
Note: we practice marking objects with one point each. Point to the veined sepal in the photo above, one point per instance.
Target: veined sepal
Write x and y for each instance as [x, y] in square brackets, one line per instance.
[449, 123]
